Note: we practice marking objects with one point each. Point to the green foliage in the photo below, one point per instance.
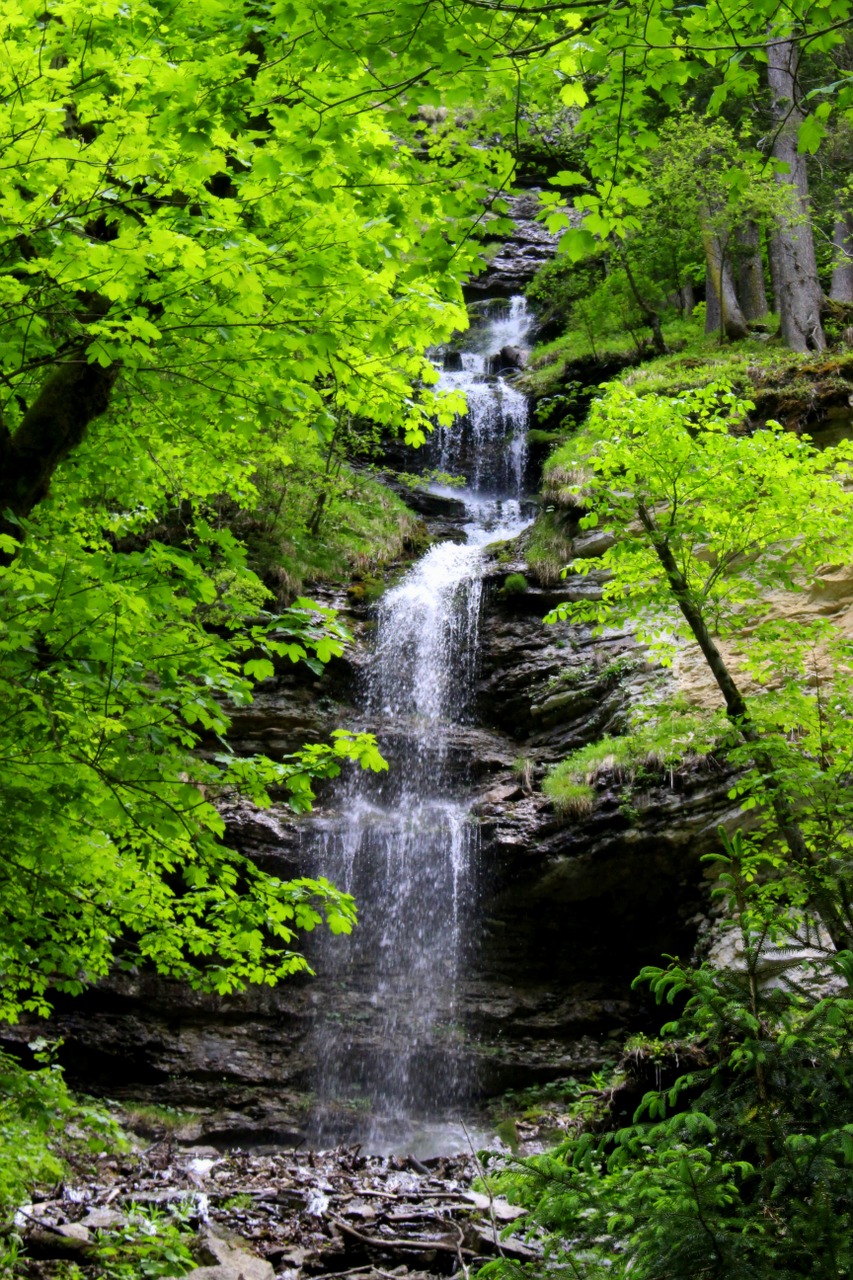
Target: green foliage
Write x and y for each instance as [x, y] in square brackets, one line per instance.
[710, 524]
[113, 668]
[229, 208]
[551, 363]
[741, 1167]
[719, 498]
[43, 1128]
[221, 267]
[515, 584]
[626, 71]
[294, 538]
[150, 1243]
[538, 1099]
[663, 738]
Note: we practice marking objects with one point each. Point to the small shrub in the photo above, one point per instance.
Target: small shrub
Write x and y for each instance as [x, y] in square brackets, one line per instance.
[150, 1244]
[515, 584]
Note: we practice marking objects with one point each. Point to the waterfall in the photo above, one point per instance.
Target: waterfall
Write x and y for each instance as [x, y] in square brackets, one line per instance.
[488, 445]
[389, 1043]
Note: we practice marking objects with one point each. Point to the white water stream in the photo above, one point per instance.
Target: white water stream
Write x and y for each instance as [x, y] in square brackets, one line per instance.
[389, 1044]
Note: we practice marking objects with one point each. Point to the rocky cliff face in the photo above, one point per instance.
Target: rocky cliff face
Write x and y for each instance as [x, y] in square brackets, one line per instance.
[516, 258]
[570, 908]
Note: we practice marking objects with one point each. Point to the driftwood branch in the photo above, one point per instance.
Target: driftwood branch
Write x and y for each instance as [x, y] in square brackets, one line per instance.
[383, 1242]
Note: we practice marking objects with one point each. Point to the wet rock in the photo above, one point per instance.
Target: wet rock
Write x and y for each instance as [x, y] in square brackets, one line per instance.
[230, 1259]
[502, 1210]
[63, 1240]
[102, 1220]
[520, 256]
[509, 358]
[445, 515]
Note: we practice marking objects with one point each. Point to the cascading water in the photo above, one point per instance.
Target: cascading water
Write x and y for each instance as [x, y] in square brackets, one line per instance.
[489, 445]
[404, 845]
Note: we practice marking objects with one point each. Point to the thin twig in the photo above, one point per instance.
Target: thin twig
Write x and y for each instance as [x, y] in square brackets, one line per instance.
[482, 1176]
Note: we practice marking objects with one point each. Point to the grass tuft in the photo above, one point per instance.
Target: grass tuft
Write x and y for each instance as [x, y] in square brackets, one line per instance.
[570, 798]
[548, 548]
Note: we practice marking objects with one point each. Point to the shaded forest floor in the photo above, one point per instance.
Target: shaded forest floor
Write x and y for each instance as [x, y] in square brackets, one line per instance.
[290, 1214]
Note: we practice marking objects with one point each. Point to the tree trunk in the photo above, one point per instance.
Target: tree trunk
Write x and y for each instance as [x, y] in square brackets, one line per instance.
[73, 395]
[738, 712]
[841, 289]
[775, 270]
[650, 313]
[712, 305]
[800, 296]
[750, 273]
[686, 300]
[730, 318]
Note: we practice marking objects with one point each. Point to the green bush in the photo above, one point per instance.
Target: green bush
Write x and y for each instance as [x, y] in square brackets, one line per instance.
[150, 1244]
[739, 1168]
[515, 584]
[44, 1129]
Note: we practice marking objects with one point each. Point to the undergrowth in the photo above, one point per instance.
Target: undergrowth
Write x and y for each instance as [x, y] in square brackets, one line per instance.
[550, 362]
[303, 531]
[548, 548]
[662, 740]
[44, 1129]
[148, 1245]
[151, 1120]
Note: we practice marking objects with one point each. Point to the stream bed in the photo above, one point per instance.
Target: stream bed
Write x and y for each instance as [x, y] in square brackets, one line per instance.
[286, 1215]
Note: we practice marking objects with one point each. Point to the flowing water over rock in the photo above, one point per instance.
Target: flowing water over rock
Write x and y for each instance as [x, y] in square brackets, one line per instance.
[404, 843]
[488, 446]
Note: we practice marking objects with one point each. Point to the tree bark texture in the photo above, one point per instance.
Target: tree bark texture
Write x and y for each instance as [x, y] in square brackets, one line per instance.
[712, 305]
[750, 273]
[775, 270]
[686, 300]
[74, 393]
[800, 297]
[730, 318]
[841, 288]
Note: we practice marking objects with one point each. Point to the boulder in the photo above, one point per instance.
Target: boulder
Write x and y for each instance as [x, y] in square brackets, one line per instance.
[231, 1259]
